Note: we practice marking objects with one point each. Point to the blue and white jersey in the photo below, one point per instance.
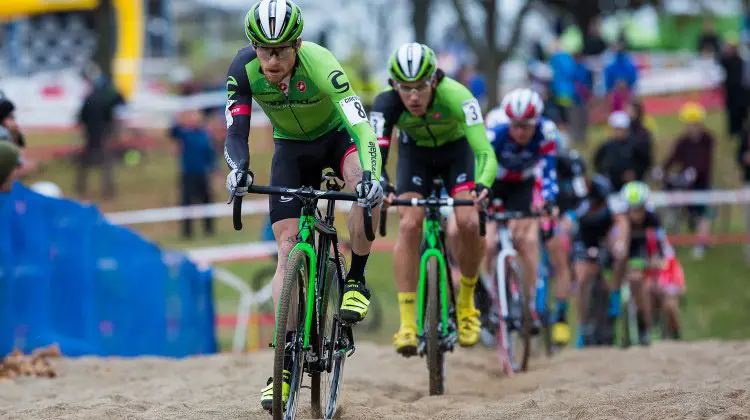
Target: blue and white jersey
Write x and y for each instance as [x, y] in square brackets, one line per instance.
[518, 163]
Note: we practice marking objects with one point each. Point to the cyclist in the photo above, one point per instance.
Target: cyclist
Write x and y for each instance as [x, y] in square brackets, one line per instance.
[318, 122]
[644, 264]
[600, 223]
[442, 133]
[523, 146]
[571, 172]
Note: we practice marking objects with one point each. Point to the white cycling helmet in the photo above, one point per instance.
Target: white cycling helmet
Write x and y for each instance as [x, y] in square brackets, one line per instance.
[496, 117]
[523, 105]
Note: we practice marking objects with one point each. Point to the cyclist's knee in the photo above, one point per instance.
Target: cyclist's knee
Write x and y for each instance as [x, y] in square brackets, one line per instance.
[410, 225]
[467, 220]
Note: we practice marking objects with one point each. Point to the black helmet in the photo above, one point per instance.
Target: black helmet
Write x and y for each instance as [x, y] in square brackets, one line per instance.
[599, 188]
[570, 164]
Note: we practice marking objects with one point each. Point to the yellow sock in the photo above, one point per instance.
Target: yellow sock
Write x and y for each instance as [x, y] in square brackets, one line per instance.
[406, 303]
[466, 291]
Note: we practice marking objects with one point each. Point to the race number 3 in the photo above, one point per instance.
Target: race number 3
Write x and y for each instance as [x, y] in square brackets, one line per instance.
[353, 109]
[473, 112]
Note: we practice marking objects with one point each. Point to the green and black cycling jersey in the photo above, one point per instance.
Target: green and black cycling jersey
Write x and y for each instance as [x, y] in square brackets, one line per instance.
[452, 116]
[315, 100]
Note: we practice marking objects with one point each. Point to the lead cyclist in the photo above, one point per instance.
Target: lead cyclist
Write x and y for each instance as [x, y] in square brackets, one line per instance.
[318, 122]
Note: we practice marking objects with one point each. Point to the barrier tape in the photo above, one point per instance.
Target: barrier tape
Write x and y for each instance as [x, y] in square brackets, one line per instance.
[254, 207]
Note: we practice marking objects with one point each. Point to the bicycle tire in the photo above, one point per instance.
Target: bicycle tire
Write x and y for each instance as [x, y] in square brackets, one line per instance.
[522, 299]
[295, 276]
[596, 311]
[328, 350]
[435, 355]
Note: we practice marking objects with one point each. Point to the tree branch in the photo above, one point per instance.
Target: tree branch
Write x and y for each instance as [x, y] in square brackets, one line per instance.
[515, 34]
[476, 45]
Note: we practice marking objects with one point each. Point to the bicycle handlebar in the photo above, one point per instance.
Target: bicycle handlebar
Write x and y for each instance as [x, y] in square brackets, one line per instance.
[303, 192]
[432, 202]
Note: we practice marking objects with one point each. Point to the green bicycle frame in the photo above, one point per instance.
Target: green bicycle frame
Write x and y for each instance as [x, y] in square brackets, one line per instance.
[305, 242]
[432, 248]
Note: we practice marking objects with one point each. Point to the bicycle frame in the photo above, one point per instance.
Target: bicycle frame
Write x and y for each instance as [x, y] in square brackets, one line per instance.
[433, 246]
[506, 252]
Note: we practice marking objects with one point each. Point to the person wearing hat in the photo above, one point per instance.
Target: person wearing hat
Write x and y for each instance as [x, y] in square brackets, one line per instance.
[9, 130]
[10, 161]
[619, 158]
[693, 152]
[734, 85]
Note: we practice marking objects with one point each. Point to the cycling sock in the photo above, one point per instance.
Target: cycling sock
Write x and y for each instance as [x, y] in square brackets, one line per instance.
[466, 291]
[562, 310]
[406, 309]
[357, 269]
[614, 304]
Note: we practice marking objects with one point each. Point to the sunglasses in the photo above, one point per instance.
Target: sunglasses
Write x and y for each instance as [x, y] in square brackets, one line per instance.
[418, 88]
[281, 51]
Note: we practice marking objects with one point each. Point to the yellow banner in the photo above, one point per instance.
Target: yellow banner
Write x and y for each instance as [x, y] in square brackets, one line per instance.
[131, 30]
[14, 8]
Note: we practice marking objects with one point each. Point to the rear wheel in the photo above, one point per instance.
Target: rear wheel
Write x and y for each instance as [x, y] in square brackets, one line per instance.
[435, 355]
[292, 313]
[325, 385]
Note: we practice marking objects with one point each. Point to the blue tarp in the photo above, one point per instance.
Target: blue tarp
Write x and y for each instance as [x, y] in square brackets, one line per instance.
[68, 276]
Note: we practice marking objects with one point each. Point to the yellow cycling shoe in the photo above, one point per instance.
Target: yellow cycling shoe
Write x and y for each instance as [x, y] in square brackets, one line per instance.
[405, 341]
[266, 395]
[469, 326]
[560, 333]
[355, 303]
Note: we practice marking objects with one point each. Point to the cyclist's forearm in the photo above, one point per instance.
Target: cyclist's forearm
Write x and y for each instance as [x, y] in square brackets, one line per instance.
[485, 160]
[367, 149]
[236, 147]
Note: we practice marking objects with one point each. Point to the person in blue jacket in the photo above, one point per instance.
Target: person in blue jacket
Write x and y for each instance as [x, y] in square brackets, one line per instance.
[620, 67]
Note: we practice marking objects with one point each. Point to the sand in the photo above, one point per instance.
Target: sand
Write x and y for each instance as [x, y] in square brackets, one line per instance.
[668, 380]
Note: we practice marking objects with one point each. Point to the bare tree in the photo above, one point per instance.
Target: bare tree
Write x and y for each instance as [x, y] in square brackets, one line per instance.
[486, 44]
[420, 18]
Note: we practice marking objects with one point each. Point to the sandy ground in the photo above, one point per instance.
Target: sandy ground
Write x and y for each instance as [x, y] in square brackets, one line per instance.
[668, 380]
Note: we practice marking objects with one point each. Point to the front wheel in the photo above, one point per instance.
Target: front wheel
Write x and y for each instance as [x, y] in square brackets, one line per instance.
[291, 315]
[332, 347]
[518, 330]
[435, 353]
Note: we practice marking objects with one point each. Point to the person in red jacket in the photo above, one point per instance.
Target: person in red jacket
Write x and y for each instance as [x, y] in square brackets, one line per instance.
[693, 154]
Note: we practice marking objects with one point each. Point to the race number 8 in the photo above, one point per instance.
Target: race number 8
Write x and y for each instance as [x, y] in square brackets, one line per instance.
[353, 109]
[472, 112]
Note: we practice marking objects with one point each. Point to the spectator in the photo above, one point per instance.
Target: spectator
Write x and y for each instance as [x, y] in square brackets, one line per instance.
[98, 117]
[583, 84]
[693, 152]
[743, 159]
[593, 43]
[620, 97]
[621, 70]
[641, 136]
[9, 129]
[735, 90]
[198, 163]
[709, 43]
[618, 159]
[563, 86]
[10, 161]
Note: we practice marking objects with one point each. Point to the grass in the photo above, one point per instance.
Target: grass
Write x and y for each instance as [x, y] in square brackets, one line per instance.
[717, 293]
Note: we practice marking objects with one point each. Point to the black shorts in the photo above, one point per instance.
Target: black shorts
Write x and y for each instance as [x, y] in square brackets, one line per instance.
[516, 196]
[638, 250]
[417, 166]
[301, 163]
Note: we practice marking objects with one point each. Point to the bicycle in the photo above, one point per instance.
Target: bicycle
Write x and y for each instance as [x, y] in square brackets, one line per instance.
[598, 330]
[511, 306]
[321, 341]
[543, 309]
[436, 306]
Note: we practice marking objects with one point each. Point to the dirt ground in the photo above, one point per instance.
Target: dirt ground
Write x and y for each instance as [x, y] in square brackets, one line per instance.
[669, 380]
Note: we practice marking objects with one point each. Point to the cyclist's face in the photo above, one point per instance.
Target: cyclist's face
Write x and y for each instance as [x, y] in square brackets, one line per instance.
[637, 215]
[522, 131]
[416, 95]
[277, 61]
